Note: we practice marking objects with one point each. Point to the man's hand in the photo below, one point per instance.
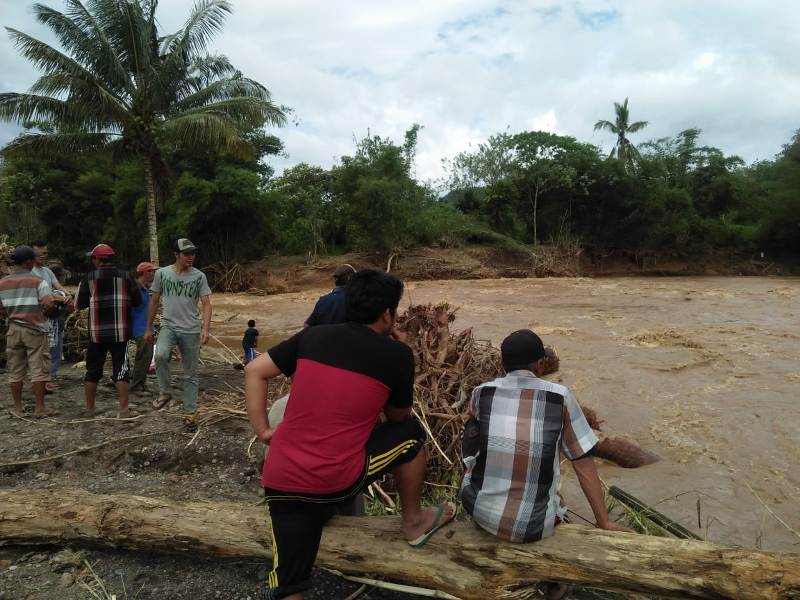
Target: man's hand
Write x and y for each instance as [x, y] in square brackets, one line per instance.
[266, 436]
[148, 336]
[399, 335]
[613, 526]
[203, 337]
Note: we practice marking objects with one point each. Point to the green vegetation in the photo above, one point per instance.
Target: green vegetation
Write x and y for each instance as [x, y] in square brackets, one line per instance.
[128, 126]
[122, 87]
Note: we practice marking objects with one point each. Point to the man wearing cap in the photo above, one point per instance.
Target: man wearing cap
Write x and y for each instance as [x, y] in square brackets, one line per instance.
[25, 298]
[110, 294]
[511, 450]
[329, 309]
[145, 272]
[180, 287]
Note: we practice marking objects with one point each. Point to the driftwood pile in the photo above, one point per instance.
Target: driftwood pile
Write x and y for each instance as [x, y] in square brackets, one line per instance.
[229, 278]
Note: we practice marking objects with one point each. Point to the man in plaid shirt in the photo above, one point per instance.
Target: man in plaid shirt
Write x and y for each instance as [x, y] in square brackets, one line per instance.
[511, 450]
[110, 294]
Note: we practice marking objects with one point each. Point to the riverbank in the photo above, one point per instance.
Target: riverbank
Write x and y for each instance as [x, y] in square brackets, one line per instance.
[275, 275]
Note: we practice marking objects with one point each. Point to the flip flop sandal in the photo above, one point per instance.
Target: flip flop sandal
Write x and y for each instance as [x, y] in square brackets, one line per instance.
[161, 402]
[438, 523]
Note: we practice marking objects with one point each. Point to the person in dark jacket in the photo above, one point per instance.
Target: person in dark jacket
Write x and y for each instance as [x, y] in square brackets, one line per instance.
[329, 309]
[110, 295]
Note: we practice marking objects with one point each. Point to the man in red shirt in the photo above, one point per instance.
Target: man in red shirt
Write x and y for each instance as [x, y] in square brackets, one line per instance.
[329, 445]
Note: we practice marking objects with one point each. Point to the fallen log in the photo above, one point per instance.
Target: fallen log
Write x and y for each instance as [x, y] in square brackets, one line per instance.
[460, 559]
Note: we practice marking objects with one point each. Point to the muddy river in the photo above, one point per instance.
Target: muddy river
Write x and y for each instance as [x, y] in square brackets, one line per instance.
[703, 371]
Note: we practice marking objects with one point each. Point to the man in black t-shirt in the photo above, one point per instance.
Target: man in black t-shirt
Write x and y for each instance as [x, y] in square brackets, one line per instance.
[329, 445]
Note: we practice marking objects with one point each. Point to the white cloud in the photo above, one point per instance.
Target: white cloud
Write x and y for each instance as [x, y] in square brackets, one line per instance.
[468, 69]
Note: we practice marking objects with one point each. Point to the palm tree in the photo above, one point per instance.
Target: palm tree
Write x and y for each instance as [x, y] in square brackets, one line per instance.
[625, 151]
[121, 86]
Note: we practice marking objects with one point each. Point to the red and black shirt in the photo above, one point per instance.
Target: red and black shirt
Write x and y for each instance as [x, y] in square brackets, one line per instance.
[343, 376]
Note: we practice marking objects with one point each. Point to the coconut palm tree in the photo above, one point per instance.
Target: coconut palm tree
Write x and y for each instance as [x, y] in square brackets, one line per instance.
[119, 85]
[624, 149]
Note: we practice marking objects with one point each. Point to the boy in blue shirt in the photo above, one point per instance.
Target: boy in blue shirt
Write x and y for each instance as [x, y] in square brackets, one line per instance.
[250, 341]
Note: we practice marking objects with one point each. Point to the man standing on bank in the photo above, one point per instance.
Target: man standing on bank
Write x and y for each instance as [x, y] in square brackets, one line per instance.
[145, 272]
[180, 287]
[110, 295]
[25, 298]
[328, 446]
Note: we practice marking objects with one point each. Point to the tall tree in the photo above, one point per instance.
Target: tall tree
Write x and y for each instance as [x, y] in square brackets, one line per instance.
[121, 86]
[621, 127]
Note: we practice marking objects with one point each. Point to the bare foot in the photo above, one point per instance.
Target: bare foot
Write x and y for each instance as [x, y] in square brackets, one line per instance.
[41, 414]
[427, 521]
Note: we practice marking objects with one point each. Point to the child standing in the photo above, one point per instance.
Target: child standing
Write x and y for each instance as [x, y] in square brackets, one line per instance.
[250, 341]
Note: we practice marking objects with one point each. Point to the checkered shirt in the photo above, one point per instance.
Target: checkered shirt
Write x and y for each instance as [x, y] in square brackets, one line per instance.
[110, 295]
[512, 461]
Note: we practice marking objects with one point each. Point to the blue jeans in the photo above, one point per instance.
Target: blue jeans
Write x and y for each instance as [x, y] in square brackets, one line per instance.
[56, 350]
[189, 346]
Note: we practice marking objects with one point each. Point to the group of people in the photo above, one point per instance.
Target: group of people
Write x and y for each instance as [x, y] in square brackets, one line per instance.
[121, 307]
[348, 418]
[348, 421]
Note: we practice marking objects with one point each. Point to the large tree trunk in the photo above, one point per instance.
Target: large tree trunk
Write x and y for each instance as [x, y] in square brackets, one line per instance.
[459, 559]
[150, 196]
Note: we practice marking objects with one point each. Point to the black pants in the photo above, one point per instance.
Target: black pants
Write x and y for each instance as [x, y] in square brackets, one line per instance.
[96, 358]
[298, 518]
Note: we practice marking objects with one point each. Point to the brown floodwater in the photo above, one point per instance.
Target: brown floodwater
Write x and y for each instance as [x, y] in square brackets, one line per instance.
[704, 371]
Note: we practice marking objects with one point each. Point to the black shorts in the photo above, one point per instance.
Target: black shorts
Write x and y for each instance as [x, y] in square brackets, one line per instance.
[96, 359]
[298, 519]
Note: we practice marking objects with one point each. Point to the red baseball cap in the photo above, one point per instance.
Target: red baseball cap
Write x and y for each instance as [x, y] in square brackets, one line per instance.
[143, 267]
[101, 251]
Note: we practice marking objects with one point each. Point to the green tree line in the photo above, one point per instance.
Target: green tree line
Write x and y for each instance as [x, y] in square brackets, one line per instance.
[678, 198]
[128, 126]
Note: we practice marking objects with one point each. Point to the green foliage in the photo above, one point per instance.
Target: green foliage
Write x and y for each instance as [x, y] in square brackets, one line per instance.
[626, 152]
[120, 85]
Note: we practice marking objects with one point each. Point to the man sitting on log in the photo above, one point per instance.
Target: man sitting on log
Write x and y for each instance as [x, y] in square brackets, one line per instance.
[511, 450]
[328, 447]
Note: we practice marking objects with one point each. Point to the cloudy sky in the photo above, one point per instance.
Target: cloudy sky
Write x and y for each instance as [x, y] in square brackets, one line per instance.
[467, 69]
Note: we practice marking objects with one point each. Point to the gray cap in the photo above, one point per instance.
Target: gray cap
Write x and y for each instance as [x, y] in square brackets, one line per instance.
[185, 245]
[22, 254]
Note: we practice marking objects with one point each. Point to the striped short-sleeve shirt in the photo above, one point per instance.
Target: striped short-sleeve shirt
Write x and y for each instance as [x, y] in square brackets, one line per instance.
[511, 484]
[21, 297]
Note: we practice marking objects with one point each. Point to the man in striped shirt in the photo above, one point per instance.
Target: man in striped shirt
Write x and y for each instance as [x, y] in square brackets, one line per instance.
[25, 297]
[511, 450]
[110, 295]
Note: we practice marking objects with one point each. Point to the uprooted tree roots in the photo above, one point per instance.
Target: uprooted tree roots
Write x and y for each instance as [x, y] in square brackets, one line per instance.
[449, 365]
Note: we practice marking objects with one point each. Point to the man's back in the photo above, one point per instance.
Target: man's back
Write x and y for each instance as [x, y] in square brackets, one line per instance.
[110, 294]
[344, 375]
[21, 294]
[329, 309]
[513, 472]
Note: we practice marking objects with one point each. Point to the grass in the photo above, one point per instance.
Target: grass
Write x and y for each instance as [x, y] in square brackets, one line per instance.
[97, 588]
